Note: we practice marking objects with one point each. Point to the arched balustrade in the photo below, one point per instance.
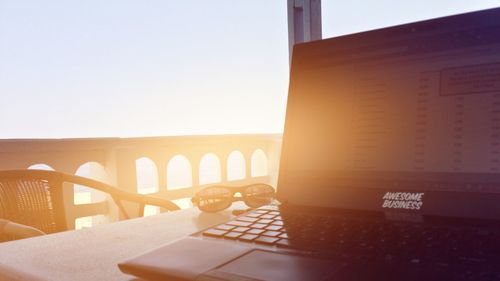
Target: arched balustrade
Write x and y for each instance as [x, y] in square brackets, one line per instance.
[129, 163]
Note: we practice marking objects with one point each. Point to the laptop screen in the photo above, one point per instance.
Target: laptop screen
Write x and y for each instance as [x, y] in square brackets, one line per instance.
[406, 110]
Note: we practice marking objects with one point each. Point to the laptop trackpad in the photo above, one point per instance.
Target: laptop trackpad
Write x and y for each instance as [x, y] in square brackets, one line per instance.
[265, 265]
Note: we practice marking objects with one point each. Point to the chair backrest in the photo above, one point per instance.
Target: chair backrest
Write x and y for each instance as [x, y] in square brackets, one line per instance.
[34, 198]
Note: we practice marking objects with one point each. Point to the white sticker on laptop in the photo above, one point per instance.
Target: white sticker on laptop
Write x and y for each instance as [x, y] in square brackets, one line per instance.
[403, 200]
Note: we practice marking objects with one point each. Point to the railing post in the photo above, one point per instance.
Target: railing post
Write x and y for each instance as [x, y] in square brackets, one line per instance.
[162, 175]
[248, 164]
[223, 167]
[304, 22]
[195, 168]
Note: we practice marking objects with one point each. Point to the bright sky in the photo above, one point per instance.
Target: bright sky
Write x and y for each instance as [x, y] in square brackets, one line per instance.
[102, 68]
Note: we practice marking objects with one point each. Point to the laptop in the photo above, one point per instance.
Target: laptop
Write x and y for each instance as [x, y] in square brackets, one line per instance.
[389, 168]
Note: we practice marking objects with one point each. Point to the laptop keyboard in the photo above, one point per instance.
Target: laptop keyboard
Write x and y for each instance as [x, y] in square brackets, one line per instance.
[472, 252]
[264, 226]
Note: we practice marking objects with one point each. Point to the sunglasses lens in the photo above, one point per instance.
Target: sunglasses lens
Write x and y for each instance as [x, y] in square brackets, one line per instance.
[258, 195]
[213, 199]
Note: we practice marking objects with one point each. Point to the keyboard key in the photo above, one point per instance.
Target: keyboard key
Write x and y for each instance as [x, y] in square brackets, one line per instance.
[266, 240]
[248, 219]
[239, 223]
[283, 243]
[255, 231]
[225, 227]
[278, 222]
[253, 215]
[274, 213]
[214, 232]
[267, 216]
[248, 237]
[271, 233]
[274, 227]
[241, 229]
[261, 211]
[265, 221]
[284, 235]
[258, 225]
[232, 235]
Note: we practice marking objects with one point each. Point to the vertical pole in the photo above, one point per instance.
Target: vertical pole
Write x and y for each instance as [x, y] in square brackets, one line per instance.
[304, 22]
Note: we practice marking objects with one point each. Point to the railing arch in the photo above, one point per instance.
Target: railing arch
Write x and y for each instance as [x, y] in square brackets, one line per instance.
[179, 172]
[40, 166]
[236, 166]
[146, 175]
[259, 163]
[210, 169]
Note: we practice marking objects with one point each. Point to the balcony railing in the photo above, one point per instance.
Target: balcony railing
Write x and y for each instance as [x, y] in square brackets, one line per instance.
[225, 159]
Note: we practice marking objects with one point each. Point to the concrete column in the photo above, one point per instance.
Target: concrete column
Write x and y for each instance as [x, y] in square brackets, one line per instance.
[162, 175]
[194, 155]
[125, 171]
[223, 166]
[248, 163]
[126, 177]
[304, 22]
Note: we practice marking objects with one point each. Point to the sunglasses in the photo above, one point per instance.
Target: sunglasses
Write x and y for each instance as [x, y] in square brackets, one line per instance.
[217, 198]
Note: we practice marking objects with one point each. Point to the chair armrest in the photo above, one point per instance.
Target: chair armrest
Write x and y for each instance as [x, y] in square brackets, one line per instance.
[119, 195]
[146, 200]
[18, 231]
